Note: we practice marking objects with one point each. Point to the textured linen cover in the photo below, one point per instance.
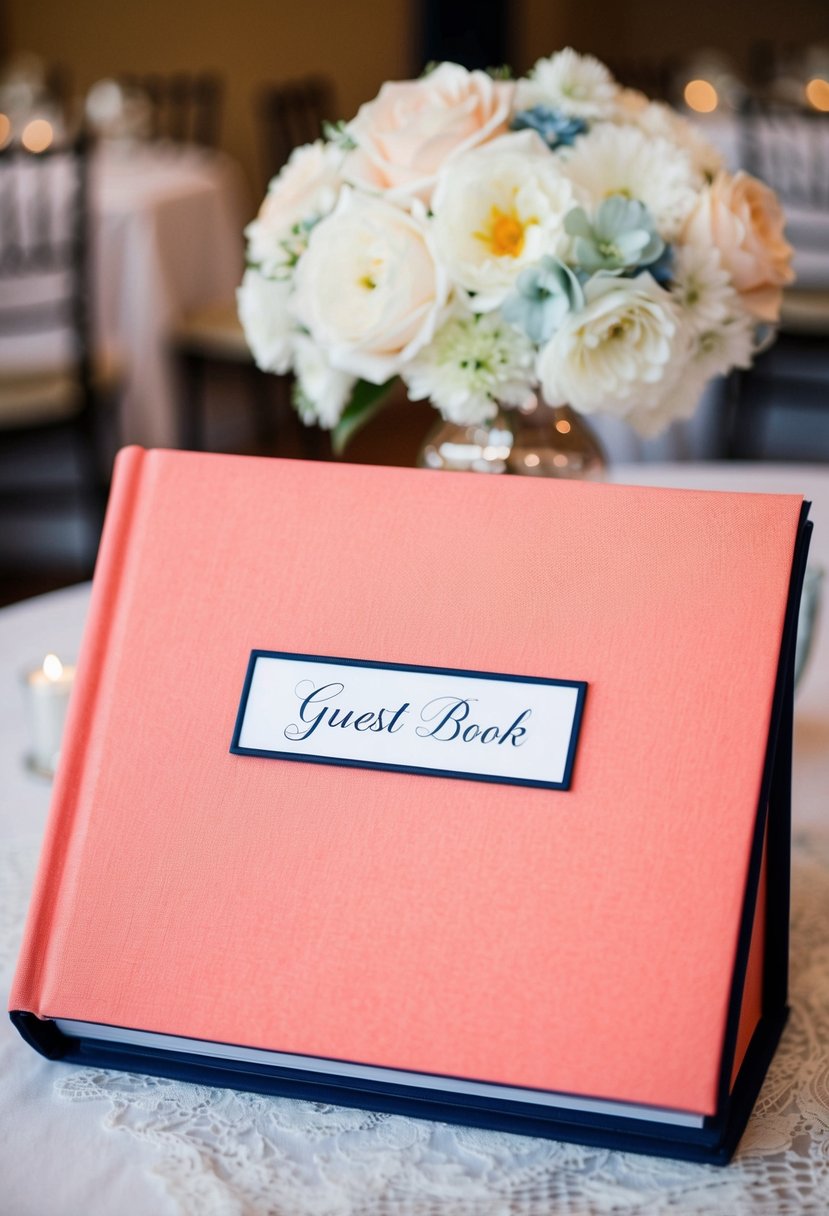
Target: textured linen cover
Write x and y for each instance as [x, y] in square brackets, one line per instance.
[579, 941]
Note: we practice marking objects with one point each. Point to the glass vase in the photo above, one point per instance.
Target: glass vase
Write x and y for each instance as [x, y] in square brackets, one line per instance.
[544, 441]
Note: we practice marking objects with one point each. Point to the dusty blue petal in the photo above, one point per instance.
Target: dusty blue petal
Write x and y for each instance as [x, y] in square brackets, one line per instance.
[652, 251]
[632, 244]
[576, 223]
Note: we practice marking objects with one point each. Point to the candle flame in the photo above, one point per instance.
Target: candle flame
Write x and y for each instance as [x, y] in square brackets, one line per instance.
[52, 667]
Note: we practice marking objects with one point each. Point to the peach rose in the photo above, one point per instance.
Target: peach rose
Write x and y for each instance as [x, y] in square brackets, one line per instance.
[744, 221]
[413, 127]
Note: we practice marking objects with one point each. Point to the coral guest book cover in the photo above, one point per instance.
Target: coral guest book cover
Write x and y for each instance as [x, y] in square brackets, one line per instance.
[454, 795]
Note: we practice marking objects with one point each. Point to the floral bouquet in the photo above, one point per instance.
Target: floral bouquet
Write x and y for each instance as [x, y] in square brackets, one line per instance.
[485, 239]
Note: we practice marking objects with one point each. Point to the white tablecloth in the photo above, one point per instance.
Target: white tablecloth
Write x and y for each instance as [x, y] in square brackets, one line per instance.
[167, 238]
[76, 1140]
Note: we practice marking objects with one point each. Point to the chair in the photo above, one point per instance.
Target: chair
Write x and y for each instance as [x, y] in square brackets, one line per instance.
[787, 147]
[51, 391]
[186, 107]
[290, 115]
[214, 336]
[779, 406]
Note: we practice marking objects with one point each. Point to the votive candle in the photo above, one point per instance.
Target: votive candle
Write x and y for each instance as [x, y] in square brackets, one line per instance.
[47, 690]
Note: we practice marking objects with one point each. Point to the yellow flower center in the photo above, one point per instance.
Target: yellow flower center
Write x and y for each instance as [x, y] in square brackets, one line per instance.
[619, 328]
[504, 235]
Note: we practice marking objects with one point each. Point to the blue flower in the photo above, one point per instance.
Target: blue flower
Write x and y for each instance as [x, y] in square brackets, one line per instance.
[663, 268]
[556, 129]
[621, 236]
[544, 295]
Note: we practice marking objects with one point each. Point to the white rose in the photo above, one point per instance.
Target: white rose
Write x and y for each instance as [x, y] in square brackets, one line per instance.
[497, 210]
[304, 191]
[619, 353]
[267, 321]
[369, 288]
[323, 390]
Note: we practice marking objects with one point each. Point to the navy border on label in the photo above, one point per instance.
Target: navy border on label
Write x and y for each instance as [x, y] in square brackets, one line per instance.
[418, 770]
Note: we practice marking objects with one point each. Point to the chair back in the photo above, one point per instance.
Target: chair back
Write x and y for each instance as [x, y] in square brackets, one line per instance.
[292, 114]
[788, 148]
[185, 107]
[44, 272]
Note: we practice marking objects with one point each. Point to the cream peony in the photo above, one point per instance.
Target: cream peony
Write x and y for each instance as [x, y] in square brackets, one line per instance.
[743, 220]
[266, 318]
[625, 160]
[321, 392]
[303, 192]
[369, 288]
[498, 209]
[578, 86]
[618, 353]
[414, 127]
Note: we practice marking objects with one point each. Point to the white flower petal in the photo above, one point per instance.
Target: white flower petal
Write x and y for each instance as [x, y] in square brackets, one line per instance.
[576, 85]
[624, 160]
[498, 210]
[266, 318]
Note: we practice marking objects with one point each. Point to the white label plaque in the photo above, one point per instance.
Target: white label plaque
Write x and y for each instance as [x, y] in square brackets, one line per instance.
[521, 730]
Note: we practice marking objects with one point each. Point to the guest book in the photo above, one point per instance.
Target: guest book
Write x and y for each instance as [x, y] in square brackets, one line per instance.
[464, 797]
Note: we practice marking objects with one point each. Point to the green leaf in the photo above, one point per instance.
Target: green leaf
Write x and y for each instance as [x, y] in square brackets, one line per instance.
[366, 401]
[337, 133]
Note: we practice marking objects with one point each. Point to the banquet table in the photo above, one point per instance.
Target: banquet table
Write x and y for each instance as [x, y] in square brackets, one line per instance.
[166, 234]
[168, 241]
[76, 1139]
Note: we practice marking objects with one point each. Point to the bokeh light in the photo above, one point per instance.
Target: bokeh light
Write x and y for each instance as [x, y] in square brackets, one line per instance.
[817, 93]
[37, 135]
[701, 96]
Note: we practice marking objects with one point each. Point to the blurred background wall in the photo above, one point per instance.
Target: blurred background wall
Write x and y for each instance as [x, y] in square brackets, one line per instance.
[361, 43]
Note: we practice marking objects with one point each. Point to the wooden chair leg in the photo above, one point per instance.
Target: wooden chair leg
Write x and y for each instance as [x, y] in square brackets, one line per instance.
[735, 421]
[264, 413]
[92, 487]
[191, 420]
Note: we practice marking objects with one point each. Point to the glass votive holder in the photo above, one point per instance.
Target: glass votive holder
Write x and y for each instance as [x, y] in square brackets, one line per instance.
[46, 691]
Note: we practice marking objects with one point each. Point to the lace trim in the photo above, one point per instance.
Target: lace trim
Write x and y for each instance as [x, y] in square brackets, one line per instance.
[223, 1153]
